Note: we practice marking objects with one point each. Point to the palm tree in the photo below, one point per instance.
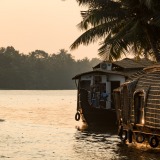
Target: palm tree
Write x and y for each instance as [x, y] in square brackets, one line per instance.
[121, 24]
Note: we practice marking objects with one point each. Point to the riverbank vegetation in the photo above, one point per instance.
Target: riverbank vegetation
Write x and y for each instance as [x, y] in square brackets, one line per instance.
[40, 70]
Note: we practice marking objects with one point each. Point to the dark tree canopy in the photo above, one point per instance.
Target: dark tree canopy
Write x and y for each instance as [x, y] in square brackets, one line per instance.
[39, 70]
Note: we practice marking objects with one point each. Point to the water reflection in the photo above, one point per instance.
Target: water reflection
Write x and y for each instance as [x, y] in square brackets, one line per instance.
[40, 125]
[103, 143]
[97, 128]
[96, 142]
[138, 152]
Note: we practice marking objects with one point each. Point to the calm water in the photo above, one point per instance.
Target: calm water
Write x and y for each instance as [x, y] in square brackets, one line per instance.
[40, 125]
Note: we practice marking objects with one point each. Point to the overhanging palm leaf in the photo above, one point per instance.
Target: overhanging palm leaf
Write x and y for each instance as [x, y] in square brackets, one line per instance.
[93, 34]
[135, 23]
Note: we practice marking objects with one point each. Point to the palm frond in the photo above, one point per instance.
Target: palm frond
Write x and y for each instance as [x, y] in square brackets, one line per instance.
[121, 24]
[94, 17]
[93, 34]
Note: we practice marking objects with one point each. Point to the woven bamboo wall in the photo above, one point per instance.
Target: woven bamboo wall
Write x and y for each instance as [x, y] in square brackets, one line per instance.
[152, 107]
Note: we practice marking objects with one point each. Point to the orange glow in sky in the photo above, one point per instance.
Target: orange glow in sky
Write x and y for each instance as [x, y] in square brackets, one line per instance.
[48, 25]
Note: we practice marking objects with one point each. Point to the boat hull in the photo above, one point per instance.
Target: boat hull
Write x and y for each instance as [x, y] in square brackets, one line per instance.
[98, 116]
[92, 115]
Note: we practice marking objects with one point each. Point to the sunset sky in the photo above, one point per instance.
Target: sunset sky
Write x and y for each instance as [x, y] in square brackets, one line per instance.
[47, 25]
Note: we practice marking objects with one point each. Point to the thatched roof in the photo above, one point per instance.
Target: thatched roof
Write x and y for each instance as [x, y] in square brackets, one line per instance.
[127, 63]
[145, 62]
[152, 68]
[125, 67]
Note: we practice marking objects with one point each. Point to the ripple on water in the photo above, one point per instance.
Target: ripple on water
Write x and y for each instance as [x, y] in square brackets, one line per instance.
[39, 125]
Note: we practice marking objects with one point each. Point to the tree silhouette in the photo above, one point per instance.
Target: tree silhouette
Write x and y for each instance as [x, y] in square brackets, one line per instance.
[39, 70]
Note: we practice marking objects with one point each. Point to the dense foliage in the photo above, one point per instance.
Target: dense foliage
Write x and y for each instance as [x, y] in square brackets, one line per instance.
[121, 25]
[39, 70]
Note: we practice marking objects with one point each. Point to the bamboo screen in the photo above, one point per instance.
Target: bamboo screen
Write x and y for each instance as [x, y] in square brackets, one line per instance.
[152, 106]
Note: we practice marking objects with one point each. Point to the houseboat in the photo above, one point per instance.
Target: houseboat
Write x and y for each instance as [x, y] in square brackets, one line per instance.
[137, 104]
[95, 90]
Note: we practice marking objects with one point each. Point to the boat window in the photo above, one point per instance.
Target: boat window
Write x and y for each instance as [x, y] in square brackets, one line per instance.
[98, 79]
[85, 84]
[139, 107]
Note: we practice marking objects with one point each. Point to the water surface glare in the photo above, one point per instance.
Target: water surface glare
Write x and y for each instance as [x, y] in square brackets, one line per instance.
[40, 125]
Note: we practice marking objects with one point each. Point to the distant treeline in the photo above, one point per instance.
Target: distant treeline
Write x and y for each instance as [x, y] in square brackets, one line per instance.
[40, 70]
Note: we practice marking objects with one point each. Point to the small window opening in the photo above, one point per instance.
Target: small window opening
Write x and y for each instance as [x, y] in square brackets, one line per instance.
[139, 107]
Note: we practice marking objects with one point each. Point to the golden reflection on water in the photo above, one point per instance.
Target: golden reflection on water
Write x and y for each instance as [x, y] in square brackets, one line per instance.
[37, 123]
[40, 125]
[40, 107]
